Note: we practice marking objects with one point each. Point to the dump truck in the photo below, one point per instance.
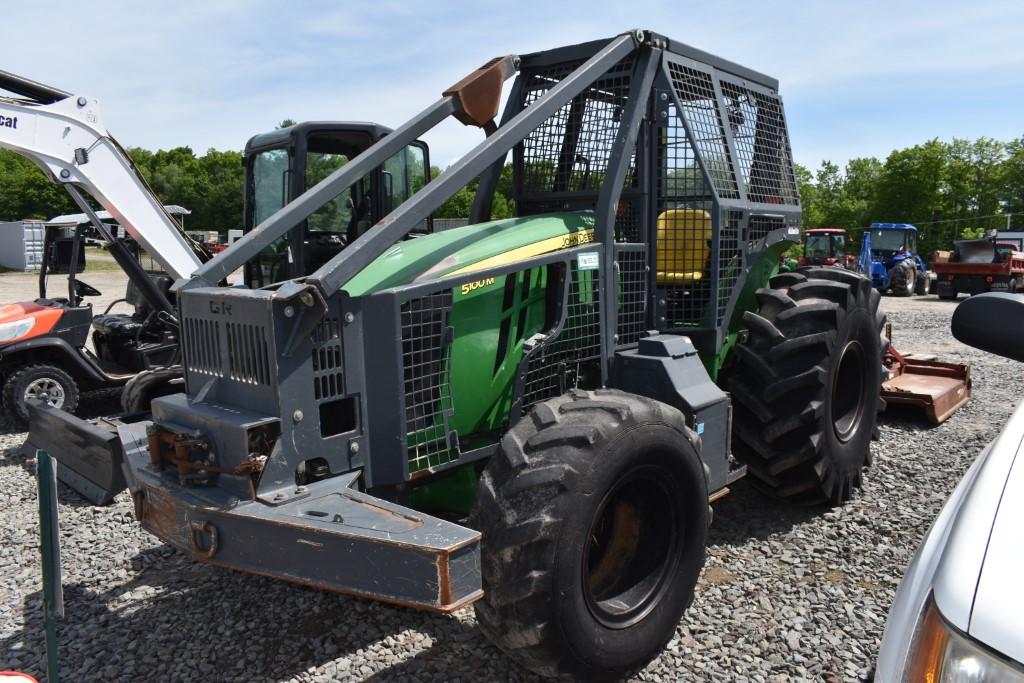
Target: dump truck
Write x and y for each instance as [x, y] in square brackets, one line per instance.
[529, 415]
[978, 265]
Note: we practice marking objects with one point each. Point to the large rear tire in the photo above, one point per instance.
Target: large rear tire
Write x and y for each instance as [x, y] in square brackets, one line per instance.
[805, 385]
[42, 381]
[903, 278]
[594, 516]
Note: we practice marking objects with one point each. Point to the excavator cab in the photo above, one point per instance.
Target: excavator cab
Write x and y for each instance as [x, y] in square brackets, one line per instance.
[282, 164]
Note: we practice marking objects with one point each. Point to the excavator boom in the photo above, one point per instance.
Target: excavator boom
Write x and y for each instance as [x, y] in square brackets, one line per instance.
[64, 135]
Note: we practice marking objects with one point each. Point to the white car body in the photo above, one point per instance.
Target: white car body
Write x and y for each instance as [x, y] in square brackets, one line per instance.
[970, 563]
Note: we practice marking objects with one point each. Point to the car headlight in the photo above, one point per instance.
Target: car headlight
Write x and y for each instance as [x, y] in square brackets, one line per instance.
[18, 328]
[941, 654]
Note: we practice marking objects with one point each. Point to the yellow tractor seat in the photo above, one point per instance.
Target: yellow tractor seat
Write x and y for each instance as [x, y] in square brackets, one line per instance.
[683, 246]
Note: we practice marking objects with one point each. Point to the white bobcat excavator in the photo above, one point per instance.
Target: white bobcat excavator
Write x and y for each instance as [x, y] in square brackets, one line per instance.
[43, 353]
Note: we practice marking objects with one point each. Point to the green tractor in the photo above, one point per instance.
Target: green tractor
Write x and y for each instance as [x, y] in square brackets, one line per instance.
[530, 414]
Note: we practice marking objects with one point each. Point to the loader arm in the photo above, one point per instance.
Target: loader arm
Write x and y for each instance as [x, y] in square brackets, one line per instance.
[64, 135]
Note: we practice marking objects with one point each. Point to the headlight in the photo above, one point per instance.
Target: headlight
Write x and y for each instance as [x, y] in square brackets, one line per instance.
[19, 328]
[940, 654]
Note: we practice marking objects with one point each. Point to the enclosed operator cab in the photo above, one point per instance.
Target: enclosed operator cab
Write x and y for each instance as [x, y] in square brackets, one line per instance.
[824, 247]
[284, 163]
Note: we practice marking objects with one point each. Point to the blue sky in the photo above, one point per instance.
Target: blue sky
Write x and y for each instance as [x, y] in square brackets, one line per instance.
[858, 78]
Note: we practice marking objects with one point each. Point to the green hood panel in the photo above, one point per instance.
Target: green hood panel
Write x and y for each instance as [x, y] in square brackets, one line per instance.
[473, 247]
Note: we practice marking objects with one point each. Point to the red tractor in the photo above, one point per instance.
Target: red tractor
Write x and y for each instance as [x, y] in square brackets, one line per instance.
[825, 247]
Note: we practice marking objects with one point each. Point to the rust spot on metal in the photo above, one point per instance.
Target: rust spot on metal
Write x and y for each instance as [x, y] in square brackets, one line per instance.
[198, 529]
[139, 499]
[189, 454]
[478, 95]
[444, 580]
[938, 388]
[719, 494]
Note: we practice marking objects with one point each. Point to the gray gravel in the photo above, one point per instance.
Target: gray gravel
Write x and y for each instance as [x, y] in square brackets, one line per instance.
[787, 594]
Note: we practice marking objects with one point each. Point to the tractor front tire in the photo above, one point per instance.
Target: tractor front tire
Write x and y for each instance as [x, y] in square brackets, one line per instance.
[805, 384]
[594, 516]
[903, 278]
[43, 381]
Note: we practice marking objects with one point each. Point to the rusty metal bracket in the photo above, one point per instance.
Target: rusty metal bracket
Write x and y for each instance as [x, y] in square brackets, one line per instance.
[478, 95]
[198, 528]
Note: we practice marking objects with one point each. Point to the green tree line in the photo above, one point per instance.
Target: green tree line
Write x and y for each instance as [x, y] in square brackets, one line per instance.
[947, 189]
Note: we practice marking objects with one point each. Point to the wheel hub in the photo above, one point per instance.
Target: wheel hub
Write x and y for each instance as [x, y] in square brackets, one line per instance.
[848, 392]
[47, 390]
[630, 554]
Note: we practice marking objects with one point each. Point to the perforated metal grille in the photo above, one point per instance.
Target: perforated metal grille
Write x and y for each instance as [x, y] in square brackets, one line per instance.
[631, 266]
[247, 353]
[730, 259]
[201, 346]
[696, 93]
[562, 362]
[570, 151]
[426, 347]
[761, 225]
[683, 226]
[328, 372]
[762, 145]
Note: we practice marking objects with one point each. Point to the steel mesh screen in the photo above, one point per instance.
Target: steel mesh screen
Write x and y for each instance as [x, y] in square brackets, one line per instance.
[632, 269]
[561, 362]
[683, 226]
[629, 220]
[762, 144]
[761, 225]
[696, 93]
[570, 151]
[425, 361]
[730, 259]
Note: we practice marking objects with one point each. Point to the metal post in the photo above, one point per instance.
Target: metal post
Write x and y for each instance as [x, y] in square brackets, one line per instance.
[483, 201]
[611, 189]
[49, 548]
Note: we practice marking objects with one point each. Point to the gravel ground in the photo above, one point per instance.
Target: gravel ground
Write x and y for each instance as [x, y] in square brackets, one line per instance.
[787, 594]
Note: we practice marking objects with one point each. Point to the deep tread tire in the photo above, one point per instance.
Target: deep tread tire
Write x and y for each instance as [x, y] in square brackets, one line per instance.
[782, 380]
[923, 284]
[16, 384]
[149, 384]
[903, 278]
[537, 503]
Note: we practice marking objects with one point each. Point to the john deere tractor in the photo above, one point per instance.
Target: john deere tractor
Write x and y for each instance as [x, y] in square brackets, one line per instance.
[530, 414]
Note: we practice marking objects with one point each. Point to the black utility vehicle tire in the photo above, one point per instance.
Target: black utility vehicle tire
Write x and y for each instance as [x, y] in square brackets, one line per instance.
[149, 384]
[806, 384]
[903, 278]
[594, 516]
[40, 375]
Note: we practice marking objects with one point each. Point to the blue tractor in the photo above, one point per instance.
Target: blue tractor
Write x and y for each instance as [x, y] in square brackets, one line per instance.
[889, 257]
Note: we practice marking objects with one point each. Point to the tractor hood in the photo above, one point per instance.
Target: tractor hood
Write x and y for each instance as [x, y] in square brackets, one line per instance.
[473, 247]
